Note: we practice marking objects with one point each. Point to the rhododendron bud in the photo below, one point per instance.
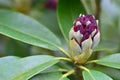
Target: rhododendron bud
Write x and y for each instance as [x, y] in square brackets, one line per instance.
[51, 4]
[84, 36]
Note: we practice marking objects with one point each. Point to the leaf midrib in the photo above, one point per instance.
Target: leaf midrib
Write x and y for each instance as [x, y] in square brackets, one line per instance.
[28, 35]
[100, 60]
[89, 72]
[35, 67]
[107, 62]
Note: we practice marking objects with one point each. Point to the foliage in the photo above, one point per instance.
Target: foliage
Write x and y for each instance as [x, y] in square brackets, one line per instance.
[32, 45]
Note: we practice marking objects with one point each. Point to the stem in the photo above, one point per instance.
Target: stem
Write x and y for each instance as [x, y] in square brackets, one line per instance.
[78, 73]
[67, 74]
[84, 68]
[93, 61]
[63, 70]
[63, 58]
[64, 52]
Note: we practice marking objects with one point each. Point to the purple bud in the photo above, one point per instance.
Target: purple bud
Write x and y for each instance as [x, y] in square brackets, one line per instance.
[52, 4]
[84, 36]
[85, 32]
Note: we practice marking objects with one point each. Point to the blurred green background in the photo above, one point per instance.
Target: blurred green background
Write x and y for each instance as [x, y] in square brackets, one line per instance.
[44, 11]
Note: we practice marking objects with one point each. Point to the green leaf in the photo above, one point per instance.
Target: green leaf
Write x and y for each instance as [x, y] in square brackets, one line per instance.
[49, 76]
[47, 18]
[110, 61]
[68, 11]
[26, 29]
[51, 69]
[17, 48]
[8, 59]
[114, 73]
[90, 6]
[25, 68]
[95, 75]
[52, 73]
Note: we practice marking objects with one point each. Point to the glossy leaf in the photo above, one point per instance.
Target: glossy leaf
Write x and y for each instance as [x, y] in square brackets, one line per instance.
[114, 73]
[49, 76]
[17, 48]
[68, 11]
[110, 61]
[8, 59]
[51, 69]
[95, 75]
[90, 6]
[25, 68]
[52, 73]
[26, 29]
[47, 18]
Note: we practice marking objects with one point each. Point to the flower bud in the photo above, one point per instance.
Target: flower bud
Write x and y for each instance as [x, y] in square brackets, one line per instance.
[84, 36]
[51, 4]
